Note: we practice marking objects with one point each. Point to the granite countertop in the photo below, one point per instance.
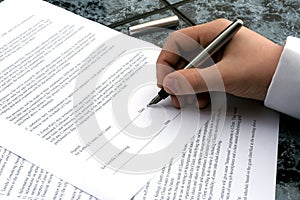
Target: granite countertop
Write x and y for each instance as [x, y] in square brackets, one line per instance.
[274, 19]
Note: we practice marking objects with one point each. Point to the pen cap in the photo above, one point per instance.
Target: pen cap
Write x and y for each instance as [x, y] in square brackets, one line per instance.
[152, 25]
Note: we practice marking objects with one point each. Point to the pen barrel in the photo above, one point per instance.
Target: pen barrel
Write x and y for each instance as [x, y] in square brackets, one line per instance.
[219, 41]
[224, 37]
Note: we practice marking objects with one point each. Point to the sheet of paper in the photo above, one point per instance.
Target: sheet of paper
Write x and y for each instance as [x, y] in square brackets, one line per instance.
[20, 179]
[73, 97]
[241, 165]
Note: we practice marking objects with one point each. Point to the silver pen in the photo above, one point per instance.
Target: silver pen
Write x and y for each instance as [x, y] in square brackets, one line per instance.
[213, 47]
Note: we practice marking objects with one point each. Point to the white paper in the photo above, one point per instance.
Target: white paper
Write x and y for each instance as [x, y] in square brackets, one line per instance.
[93, 130]
[242, 164]
[20, 179]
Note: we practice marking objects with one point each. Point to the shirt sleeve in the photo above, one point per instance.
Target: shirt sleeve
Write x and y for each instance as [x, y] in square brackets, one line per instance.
[284, 91]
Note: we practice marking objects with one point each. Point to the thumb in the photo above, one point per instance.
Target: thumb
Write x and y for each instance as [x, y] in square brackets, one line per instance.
[194, 80]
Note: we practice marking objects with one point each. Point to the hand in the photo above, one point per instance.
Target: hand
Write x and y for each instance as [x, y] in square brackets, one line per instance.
[246, 64]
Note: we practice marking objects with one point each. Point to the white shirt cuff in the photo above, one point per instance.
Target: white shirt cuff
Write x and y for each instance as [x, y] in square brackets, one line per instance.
[284, 91]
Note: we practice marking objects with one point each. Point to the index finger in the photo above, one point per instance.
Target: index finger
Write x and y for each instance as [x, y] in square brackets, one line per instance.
[179, 47]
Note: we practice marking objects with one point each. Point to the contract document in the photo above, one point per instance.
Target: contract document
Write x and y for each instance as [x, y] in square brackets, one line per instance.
[241, 164]
[20, 179]
[73, 96]
[233, 169]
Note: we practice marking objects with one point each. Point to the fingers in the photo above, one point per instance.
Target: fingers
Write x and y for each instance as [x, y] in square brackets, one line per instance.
[194, 81]
[183, 45]
[179, 49]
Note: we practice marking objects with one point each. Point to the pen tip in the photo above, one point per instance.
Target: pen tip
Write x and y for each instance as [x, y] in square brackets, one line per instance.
[151, 103]
[155, 100]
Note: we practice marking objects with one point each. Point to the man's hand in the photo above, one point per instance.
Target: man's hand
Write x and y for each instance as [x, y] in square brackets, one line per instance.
[246, 64]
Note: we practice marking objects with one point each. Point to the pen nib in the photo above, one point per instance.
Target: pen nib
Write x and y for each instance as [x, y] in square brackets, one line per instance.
[155, 100]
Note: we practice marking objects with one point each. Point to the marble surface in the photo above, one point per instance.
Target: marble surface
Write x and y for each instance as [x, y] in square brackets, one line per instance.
[108, 12]
[275, 19]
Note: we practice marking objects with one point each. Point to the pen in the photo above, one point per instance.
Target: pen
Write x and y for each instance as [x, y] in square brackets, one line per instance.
[214, 46]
